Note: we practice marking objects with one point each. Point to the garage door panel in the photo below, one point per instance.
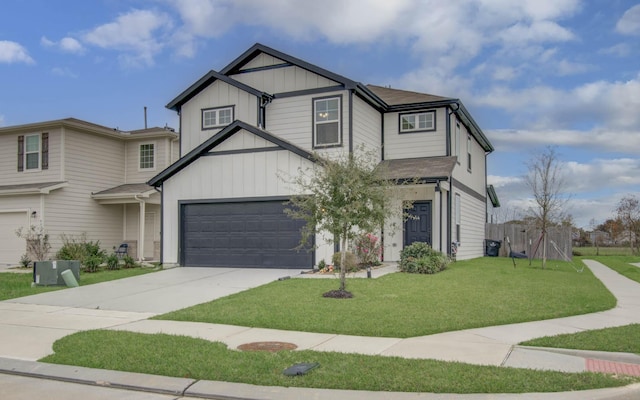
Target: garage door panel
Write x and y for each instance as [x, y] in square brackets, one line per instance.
[251, 234]
[11, 246]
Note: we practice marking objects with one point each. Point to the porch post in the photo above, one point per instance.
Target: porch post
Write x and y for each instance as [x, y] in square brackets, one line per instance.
[141, 233]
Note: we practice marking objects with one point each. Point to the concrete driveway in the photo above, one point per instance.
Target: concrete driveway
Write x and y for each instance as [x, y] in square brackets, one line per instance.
[30, 325]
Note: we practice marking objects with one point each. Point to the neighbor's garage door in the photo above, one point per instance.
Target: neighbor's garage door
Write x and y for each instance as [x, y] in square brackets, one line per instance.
[251, 234]
[11, 246]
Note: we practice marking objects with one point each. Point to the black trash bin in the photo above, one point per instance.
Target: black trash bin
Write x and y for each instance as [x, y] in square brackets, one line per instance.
[492, 247]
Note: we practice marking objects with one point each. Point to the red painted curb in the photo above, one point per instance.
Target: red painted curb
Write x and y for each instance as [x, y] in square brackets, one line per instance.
[610, 367]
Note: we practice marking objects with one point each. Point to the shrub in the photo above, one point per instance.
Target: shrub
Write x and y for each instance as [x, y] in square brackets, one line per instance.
[79, 248]
[92, 263]
[129, 262]
[351, 263]
[113, 262]
[420, 258]
[37, 241]
[25, 261]
[368, 249]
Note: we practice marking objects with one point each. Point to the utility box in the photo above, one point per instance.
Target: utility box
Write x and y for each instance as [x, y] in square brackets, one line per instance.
[48, 273]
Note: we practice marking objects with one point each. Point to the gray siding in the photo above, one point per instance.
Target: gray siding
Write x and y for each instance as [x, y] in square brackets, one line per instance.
[367, 125]
[417, 144]
[284, 79]
[9, 160]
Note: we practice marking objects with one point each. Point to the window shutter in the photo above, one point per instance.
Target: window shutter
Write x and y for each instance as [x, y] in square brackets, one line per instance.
[20, 153]
[45, 150]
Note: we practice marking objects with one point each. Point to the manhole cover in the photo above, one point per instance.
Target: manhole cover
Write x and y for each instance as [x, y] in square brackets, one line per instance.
[267, 346]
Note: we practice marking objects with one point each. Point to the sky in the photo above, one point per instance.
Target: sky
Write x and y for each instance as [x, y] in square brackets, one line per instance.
[533, 73]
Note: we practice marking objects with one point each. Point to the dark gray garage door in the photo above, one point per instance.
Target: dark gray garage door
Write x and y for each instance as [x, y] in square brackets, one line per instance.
[251, 234]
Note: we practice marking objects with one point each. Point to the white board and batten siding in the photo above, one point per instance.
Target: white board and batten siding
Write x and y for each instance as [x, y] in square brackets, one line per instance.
[218, 94]
[415, 144]
[92, 163]
[251, 175]
[283, 80]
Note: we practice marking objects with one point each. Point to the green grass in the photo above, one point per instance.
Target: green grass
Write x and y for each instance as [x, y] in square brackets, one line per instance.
[620, 339]
[621, 264]
[181, 356]
[14, 285]
[602, 251]
[475, 293]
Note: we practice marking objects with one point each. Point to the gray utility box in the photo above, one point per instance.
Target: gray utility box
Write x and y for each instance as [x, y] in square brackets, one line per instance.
[48, 273]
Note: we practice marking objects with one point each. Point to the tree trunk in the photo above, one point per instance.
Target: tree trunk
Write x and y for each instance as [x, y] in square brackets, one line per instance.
[544, 249]
[343, 260]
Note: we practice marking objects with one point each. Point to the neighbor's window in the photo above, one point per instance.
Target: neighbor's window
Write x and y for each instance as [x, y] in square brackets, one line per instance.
[457, 216]
[457, 144]
[326, 122]
[469, 153]
[32, 152]
[217, 117]
[147, 156]
[424, 121]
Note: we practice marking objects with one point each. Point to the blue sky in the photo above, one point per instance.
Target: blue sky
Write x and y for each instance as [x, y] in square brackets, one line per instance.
[533, 73]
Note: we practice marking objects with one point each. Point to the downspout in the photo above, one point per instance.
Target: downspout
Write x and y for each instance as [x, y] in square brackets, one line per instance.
[142, 228]
[449, 205]
[440, 213]
[161, 224]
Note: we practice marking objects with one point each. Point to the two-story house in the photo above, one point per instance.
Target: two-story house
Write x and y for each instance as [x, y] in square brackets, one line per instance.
[74, 177]
[262, 116]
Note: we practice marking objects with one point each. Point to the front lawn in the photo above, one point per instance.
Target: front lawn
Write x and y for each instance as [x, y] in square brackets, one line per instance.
[623, 339]
[14, 285]
[186, 357]
[476, 293]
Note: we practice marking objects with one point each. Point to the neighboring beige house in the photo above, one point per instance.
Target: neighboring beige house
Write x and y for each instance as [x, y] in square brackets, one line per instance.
[263, 115]
[76, 177]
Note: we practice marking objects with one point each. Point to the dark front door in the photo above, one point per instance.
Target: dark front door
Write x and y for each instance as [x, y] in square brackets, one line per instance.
[418, 228]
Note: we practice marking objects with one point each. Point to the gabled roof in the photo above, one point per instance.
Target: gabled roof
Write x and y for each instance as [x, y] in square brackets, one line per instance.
[394, 97]
[129, 189]
[218, 138]
[207, 80]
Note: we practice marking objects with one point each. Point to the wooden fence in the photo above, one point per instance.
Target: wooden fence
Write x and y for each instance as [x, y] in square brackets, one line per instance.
[524, 239]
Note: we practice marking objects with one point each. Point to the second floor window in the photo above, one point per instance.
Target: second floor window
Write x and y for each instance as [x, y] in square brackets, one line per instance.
[469, 153]
[32, 152]
[147, 156]
[216, 117]
[424, 121]
[326, 122]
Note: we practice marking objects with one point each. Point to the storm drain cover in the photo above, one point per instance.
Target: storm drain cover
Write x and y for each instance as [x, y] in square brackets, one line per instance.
[267, 346]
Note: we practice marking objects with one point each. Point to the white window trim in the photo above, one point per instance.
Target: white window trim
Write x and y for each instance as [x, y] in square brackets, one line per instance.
[24, 160]
[217, 111]
[155, 156]
[469, 153]
[316, 123]
[417, 116]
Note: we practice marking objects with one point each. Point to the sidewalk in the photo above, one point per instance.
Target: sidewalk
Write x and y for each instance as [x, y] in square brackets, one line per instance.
[484, 346]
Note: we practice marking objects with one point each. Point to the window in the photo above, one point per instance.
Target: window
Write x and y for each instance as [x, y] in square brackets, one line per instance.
[469, 153]
[457, 143]
[217, 117]
[147, 156]
[326, 122]
[457, 216]
[33, 152]
[424, 121]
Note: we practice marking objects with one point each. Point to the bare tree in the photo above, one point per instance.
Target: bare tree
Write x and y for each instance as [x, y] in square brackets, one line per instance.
[628, 211]
[546, 182]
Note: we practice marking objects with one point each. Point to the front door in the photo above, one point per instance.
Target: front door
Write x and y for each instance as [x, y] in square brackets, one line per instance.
[418, 228]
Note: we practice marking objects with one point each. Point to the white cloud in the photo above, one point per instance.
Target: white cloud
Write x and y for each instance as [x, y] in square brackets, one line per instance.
[620, 50]
[629, 24]
[63, 72]
[12, 52]
[66, 44]
[138, 35]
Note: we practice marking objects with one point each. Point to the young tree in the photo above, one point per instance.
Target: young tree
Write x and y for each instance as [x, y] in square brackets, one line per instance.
[546, 183]
[343, 196]
[628, 211]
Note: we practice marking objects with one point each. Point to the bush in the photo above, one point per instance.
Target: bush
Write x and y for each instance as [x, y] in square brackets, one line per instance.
[25, 261]
[92, 263]
[351, 263]
[113, 262]
[79, 248]
[420, 258]
[368, 249]
[129, 262]
[37, 239]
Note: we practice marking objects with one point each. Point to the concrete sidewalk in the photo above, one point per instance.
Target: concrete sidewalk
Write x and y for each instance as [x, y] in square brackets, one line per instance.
[131, 303]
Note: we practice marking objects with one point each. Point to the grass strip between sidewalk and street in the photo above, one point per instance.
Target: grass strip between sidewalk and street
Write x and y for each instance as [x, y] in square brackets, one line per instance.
[14, 285]
[475, 293]
[625, 339]
[186, 357]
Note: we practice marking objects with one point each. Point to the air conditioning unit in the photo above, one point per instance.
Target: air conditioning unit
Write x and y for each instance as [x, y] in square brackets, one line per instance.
[47, 273]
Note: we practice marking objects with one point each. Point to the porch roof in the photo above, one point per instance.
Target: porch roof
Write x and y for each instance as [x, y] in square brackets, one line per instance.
[127, 193]
[31, 188]
[427, 169]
